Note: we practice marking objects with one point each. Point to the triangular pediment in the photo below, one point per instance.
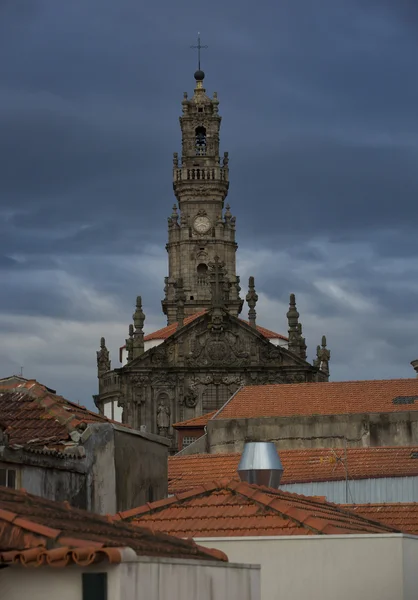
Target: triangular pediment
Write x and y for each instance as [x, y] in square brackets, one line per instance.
[216, 339]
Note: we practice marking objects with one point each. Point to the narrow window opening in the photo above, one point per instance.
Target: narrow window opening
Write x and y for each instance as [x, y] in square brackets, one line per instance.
[200, 141]
[202, 270]
[94, 586]
[8, 478]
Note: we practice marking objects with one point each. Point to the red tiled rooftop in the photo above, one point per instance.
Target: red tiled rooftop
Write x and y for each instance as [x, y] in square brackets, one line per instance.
[300, 466]
[234, 508]
[37, 531]
[328, 398]
[196, 421]
[402, 516]
[31, 415]
[165, 332]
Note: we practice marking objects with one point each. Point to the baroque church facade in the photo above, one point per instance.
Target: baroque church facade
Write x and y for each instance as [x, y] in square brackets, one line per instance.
[206, 352]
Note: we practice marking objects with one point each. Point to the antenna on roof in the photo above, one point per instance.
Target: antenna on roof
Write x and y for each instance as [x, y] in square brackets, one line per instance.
[342, 460]
[21, 371]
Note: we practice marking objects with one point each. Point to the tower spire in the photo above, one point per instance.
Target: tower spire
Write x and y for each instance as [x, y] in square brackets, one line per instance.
[199, 228]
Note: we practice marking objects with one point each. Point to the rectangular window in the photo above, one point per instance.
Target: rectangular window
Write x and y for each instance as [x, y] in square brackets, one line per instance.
[8, 477]
[187, 440]
[94, 586]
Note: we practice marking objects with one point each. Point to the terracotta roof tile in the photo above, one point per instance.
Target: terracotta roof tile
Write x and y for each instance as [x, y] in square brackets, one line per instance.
[47, 532]
[402, 516]
[165, 332]
[35, 418]
[196, 421]
[328, 398]
[311, 464]
[240, 509]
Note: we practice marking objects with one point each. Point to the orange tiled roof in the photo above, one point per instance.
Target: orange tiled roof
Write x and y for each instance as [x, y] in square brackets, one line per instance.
[17, 381]
[402, 516]
[33, 417]
[36, 531]
[165, 332]
[300, 466]
[235, 508]
[328, 398]
[196, 421]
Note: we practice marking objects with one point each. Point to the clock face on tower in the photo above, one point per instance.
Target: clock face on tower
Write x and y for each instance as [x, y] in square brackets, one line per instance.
[201, 224]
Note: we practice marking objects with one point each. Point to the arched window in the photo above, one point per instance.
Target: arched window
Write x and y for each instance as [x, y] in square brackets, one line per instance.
[202, 269]
[202, 273]
[200, 141]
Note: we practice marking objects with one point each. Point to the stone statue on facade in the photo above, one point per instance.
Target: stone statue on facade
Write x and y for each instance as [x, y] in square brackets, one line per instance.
[103, 360]
[163, 418]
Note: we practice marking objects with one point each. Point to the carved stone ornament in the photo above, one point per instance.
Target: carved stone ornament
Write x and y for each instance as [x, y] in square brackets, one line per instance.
[190, 398]
[270, 353]
[218, 349]
[140, 379]
[295, 378]
[233, 379]
[159, 355]
[163, 379]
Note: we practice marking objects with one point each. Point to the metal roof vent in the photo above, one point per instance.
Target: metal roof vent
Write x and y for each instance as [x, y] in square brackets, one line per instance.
[260, 464]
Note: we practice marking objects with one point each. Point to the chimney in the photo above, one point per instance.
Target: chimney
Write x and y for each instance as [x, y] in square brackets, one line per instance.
[260, 464]
[414, 363]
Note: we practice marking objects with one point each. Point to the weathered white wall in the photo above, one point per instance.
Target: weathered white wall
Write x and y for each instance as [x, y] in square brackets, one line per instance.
[147, 345]
[99, 443]
[329, 567]
[26, 583]
[149, 579]
[410, 564]
[188, 580]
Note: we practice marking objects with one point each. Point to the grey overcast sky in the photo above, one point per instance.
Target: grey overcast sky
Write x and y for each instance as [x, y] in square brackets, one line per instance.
[320, 119]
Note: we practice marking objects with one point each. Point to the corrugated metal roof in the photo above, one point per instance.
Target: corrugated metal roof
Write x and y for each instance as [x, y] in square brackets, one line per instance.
[360, 491]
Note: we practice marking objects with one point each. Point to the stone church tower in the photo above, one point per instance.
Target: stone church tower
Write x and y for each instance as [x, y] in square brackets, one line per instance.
[201, 231]
[206, 352]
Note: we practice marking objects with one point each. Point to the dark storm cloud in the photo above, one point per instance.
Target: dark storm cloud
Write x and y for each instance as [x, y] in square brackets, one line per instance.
[319, 117]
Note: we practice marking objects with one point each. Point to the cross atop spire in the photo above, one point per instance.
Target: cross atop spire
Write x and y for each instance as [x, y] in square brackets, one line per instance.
[199, 47]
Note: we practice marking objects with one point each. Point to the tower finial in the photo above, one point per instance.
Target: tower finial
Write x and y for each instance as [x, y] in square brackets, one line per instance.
[130, 344]
[180, 299]
[199, 47]
[251, 299]
[293, 321]
[302, 343]
[138, 334]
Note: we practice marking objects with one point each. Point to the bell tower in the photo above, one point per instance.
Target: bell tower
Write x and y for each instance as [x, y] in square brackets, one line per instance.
[200, 228]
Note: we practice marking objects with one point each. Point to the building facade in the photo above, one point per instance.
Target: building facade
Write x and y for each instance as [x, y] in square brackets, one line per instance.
[206, 352]
[59, 450]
